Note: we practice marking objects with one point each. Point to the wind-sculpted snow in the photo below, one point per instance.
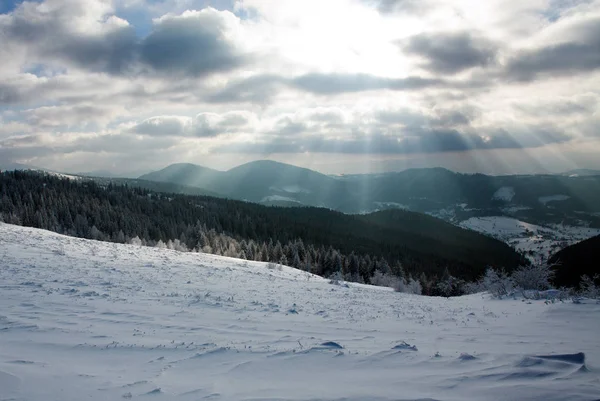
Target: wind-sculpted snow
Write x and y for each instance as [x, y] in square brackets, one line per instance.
[89, 320]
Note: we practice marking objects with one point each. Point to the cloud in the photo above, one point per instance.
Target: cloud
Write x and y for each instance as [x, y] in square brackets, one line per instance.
[89, 36]
[404, 6]
[395, 77]
[195, 43]
[328, 84]
[287, 126]
[70, 31]
[262, 88]
[204, 125]
[69, 116]
[254, 89]
[451, 52]
[415, 140]
[9, 94]
[579, 53]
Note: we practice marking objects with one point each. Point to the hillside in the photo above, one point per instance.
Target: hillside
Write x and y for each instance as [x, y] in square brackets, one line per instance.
[261, 181]
[576, 260]
[186, 174]
[537, 199]
[422, 244]
[91, 320]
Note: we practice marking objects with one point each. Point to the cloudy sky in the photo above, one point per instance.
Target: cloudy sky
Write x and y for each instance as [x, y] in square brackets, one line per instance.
[341, 86]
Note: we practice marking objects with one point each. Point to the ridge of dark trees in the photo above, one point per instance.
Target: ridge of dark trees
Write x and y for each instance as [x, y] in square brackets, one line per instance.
[321, 241]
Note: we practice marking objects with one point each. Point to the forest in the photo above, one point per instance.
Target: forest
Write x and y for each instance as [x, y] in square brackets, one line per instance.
[375, 248]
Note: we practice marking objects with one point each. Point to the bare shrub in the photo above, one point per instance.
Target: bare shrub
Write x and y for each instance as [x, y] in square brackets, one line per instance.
[588, 287]
[385, 279]
[498, 283]
[535, 277]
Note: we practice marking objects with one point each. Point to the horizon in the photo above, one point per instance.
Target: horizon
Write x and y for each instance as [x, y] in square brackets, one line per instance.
[135, 174]
[499, 87]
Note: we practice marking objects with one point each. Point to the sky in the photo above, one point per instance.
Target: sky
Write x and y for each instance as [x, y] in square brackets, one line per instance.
[339, 86]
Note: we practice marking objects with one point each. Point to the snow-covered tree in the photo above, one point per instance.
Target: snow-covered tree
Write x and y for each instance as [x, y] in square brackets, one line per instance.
[588, 287]
[535, 277]
[498, 283]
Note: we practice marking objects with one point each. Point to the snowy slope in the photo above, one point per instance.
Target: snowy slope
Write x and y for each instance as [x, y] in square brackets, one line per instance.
[540, 242]
[89, 320]
[504, 194]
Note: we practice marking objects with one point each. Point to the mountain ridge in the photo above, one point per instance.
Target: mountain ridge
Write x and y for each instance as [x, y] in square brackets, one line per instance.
[541, 199]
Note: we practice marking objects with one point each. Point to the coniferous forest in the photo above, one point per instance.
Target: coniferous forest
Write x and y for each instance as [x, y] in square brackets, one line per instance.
[377, 248]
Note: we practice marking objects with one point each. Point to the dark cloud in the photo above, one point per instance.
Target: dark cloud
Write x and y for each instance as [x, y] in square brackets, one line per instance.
[583, 105]
[235, 119]
[58, 116]
[287, 126]
[255, 89]
[328, 116]
[10, 94]
[33, 146]
[161, 126]
[404, 117]
[446, 118]
[416, 140]
[452, 52]
[261, 88]
[569, 57]
[329, 84]
[194, 44]
[8, 154]
[204, 125]
[400, 6]
[49, 31]
[454, 118]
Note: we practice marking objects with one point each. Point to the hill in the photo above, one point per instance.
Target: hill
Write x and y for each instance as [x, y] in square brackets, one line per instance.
[262, 181]
[537, 199]
[89, 320]
[577, 260]
[422, 244]
[186, 174]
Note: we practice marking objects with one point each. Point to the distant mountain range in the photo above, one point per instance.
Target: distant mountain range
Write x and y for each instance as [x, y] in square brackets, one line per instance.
[572, 197]
[422, 243]
[568, 198]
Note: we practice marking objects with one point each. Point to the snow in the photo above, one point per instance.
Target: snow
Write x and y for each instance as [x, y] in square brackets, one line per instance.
[504, 194]
[64, 176]
[81, 319]
[395, 205]
[278, 198]
[515, 209]
[539, 242]
[552, 198]
[292, 189]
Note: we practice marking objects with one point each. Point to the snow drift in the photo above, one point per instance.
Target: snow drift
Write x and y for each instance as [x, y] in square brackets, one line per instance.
[81, 319]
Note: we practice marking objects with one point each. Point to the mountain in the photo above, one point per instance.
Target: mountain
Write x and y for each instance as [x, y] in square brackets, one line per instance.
[7, 166]
[262, 181]
[423, 244]
[100, 173]
[186, 174]
[577, 260]
[539, 199]
[581, 172]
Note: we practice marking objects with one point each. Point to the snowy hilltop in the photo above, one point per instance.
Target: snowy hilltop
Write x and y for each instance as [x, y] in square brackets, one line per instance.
[81, 319]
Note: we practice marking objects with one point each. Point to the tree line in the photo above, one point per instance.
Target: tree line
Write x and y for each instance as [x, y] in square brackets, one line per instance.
[319, 241]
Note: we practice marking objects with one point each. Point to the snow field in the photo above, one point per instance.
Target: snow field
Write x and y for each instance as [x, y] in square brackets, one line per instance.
[542, 241]
[81, 319]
